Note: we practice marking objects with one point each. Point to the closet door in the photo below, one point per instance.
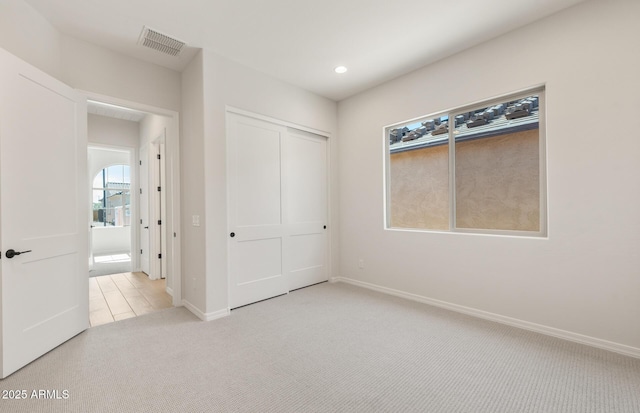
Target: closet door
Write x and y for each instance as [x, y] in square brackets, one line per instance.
[255, 210]
[306, 240]
[277, 209]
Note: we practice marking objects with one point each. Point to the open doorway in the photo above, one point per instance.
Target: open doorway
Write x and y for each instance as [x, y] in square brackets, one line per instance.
[133, 261]
[110, 240]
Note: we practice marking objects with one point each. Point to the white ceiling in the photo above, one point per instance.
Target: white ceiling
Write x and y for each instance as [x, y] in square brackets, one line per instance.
[301, 41]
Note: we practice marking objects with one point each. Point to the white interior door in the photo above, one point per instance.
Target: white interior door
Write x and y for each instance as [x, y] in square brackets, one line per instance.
[157, 208]
[90, 207]
[255, 214]
[162, 208]
[277, 209]
[43, 145]
[145, 245]
[306, 240]
[157, 221]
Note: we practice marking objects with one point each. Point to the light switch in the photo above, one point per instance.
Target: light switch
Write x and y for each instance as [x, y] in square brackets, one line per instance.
[195, 220]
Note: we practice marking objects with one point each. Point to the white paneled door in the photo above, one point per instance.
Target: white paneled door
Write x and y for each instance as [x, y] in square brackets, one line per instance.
[44, 222]
[277, 209]
[306, 240]
[145, 190]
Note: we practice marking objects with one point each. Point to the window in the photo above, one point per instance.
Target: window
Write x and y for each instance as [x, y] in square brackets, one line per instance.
[473, 169]
[112, 197]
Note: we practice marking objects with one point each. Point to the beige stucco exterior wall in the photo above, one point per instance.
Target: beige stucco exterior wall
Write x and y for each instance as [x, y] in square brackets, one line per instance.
[419, 188]
[497, 185]
[497, 182]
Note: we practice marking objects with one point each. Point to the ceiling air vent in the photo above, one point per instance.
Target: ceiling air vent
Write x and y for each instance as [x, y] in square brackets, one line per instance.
[160, 42]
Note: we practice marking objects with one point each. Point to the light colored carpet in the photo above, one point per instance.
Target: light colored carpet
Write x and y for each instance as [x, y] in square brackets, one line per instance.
[327, 348]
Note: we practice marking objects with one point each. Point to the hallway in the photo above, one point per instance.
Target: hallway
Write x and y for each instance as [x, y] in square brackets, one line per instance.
[119, 296]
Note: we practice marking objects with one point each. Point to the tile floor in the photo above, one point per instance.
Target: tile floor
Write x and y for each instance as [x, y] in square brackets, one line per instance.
[119, 296]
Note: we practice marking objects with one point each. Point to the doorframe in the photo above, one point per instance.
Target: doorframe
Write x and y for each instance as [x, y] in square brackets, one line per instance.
[172, 175]
[234, 110]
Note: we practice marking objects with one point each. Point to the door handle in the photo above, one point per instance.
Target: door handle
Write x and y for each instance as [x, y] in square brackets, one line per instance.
[13, 253]
[146, 227]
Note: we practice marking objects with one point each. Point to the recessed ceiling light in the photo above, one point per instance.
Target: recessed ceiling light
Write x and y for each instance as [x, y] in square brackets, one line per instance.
[340, 69]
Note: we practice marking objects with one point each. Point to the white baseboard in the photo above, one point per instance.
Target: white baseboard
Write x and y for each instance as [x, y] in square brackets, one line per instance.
[514, 322]
[206, 316]
[170, 291]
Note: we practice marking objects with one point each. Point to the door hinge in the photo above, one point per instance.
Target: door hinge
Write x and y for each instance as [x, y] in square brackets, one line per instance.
[159, 222]
[140, 191]
[158, 189]
[159, 255]
[140, 252]
[140, 163]
[158, 156]
[140, 222]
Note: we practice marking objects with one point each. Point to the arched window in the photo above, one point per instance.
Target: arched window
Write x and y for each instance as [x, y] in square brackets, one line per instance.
[112, 197]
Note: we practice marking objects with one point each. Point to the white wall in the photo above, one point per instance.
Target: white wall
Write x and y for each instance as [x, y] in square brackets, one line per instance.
[104, 130]
[193, 184]
[100, 158]
[29, 36]
[82, 65]
[110, 240]
[99, 70]
[152, 126]
[227, 83]
[583, 279]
